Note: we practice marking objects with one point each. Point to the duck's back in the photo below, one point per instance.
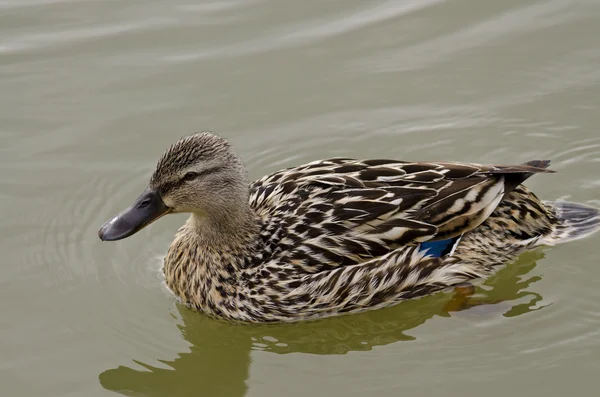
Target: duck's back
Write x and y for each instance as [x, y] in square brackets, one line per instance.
[342, 212]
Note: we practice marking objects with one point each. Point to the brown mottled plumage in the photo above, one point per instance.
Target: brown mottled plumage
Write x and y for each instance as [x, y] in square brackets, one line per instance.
[340, 235]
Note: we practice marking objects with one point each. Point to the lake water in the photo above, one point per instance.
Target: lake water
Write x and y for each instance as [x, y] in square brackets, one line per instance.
[92, 92]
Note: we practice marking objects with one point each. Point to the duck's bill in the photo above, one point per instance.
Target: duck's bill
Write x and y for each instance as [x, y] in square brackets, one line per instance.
[147, 208]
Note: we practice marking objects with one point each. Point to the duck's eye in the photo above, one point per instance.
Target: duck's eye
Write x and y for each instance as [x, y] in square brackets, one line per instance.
[190, 176]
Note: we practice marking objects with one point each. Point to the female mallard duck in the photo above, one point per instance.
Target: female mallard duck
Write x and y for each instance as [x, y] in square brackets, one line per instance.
[337, 236]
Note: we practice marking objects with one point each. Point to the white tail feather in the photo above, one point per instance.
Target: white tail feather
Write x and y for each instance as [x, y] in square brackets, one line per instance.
[576, 221]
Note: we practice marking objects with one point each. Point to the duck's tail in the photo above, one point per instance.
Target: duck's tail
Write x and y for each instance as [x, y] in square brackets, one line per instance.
[575, 221]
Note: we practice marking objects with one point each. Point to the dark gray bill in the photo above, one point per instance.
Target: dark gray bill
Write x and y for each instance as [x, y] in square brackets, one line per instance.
[147, 208]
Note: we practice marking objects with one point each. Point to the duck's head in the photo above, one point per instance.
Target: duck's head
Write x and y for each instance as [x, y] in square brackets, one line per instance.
[200, 174]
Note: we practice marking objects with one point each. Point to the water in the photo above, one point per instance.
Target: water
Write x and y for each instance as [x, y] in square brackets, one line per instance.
[91, 92]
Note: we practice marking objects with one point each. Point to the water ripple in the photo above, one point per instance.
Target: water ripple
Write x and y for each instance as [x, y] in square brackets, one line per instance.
[511, 23]
[307, 32]
[67, 37]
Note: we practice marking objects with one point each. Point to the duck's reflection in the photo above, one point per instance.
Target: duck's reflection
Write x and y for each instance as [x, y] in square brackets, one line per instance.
[219, 357]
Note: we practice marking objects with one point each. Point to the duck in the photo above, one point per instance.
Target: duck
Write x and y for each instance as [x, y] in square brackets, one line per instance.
[337, 236]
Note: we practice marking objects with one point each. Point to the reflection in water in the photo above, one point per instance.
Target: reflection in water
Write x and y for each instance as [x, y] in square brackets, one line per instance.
[219, 358]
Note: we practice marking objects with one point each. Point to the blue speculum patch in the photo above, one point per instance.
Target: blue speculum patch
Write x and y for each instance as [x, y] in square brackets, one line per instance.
[439, 248]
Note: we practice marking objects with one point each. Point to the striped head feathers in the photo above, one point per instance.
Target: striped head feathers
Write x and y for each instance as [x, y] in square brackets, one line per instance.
[203, 175]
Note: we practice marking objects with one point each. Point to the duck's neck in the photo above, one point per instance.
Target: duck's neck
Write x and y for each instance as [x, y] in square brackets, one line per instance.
[207, 255]
[231, 230]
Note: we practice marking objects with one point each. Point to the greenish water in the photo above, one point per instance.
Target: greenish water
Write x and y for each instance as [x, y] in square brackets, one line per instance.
[91, 93]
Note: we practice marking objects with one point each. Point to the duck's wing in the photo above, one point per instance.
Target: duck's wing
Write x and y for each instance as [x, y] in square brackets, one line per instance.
[349, 210]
